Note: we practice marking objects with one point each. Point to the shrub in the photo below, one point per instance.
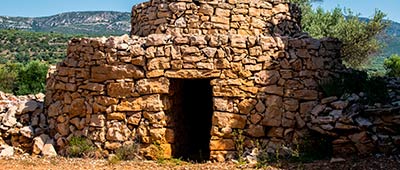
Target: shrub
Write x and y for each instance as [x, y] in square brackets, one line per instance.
[80, 147]
[392, 66]
[32, 78]
[239, 145]
[127, 152]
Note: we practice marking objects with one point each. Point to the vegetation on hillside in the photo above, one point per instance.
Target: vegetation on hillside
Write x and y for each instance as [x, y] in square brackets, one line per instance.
[22, 46]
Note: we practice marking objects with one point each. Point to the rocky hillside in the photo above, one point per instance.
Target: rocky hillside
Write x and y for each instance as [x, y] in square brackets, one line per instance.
[90, 23]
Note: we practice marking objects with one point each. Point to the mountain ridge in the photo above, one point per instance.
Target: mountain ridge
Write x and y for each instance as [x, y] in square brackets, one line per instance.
[81, 22]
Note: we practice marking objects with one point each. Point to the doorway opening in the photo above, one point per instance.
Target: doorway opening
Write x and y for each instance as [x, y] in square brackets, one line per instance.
[191, 111]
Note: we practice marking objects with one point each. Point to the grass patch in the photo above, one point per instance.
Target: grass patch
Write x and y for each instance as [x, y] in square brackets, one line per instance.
[80, 147]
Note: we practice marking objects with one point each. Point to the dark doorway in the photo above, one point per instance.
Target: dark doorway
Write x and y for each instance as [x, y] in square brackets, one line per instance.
[191, 115]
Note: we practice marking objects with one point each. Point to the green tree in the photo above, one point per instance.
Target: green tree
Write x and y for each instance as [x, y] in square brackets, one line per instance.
[392, 65]
[32, 78]
[8, 76]
[359, 37]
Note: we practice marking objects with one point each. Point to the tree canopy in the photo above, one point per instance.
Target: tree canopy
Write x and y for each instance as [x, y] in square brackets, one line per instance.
[359, 37]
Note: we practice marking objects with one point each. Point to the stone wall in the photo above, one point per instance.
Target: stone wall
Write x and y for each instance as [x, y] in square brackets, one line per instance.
[117, 90]
[204, 17]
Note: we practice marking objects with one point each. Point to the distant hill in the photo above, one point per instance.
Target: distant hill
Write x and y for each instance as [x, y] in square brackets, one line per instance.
[96, 23]
[391, 42]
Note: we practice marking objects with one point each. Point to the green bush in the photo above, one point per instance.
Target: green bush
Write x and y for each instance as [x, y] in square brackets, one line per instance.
[32, 78]
[392, 66]
[80, 147]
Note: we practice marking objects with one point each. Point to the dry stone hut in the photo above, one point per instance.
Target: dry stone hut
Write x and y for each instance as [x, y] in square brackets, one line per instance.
[191, 74]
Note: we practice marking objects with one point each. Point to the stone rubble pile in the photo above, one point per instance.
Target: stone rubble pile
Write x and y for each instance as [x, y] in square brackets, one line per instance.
[358, 128]
[22, 123]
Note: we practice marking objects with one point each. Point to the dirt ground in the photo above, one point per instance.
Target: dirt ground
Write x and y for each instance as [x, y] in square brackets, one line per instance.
[31, 163]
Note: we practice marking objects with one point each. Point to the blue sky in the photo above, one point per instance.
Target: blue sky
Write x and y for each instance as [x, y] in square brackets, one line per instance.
[50, 7]
[366, 7]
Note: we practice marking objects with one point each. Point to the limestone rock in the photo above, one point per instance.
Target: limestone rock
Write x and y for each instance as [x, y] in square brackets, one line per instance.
[246, 106]
[153, 86]
[145, 103]
[134, 119]
[107, 72]
[272, 117]
[48, 149]
[340, 105]
[223, 104]
[267, 77]
[119, 90]
[157, 39]
[78, 108]
[223, 144]
[27, 131]
[9, 117]
[27, 106]
[6, 151]
[256, 131]
[39, 143]
[224, 119]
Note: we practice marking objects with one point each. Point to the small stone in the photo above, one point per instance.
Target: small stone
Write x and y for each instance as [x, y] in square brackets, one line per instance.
[363, 122]
[223, 104]
[157, 39]
[9, 119]
[112, 145]
[255, 118]
[275, 132]
[267, 77]
[340, 105]
[27, 131]
[29, 106]
[291, 104]
[272, 116]
[116, 116]
[318, 109]
[328, 100]
[337, 160]
[134, 119]
[7, 151]
[48, 149]
[38, 143]
[260, 107]
[256, 131]
[246, 106]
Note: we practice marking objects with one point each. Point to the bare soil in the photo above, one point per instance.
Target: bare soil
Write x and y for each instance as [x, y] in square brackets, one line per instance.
[61, 163]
